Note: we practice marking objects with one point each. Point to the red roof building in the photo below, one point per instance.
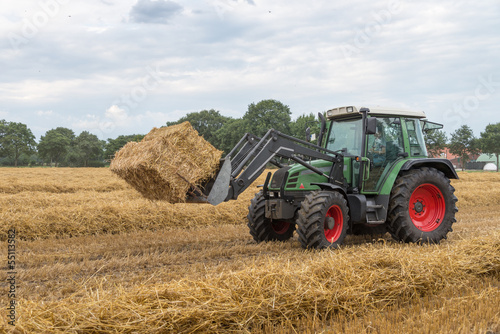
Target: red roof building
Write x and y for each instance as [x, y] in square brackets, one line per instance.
[455, 159]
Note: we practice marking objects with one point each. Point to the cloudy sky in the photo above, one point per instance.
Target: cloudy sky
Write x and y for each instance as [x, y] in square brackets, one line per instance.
[121, 67]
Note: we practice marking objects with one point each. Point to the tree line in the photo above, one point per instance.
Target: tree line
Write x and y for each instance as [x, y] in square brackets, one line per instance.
[225, 132]
[58, 147]
[62, 147]
[464, 144]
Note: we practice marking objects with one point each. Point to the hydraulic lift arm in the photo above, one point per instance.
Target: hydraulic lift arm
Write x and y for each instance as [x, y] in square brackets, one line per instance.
[248, 159]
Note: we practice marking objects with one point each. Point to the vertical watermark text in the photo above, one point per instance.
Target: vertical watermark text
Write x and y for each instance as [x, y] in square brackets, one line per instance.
[11, 277]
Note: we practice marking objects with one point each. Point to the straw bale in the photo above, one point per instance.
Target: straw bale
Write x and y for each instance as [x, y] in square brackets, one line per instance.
[167, 163]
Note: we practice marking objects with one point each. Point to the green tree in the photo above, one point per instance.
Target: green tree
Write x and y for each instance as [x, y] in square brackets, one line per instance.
[299, 126]
[88, 147]
[265, 115]
[230, 134]
[72, 157]
[435, 140]
[55, 144]
[464, 144]
[206, 122]
[66, 132]
[3, 127]
[16, 139]
[490, 141]
[114, 145]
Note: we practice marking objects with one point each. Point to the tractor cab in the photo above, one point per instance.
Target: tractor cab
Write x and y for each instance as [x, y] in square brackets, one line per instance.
[375, 139]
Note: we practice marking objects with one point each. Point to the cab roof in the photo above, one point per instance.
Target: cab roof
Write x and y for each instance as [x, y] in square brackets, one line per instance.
[350, 110]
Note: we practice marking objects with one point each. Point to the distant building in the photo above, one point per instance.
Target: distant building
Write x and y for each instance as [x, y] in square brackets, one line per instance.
[456, 161]
[489, 161]
[487, 158]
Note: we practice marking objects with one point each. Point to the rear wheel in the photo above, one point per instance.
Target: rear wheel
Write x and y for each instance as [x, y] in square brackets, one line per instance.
[323, 220]
[265, 229]
[422, 206]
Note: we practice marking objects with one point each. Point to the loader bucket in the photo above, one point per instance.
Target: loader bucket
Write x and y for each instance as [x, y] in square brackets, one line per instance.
[215, 190]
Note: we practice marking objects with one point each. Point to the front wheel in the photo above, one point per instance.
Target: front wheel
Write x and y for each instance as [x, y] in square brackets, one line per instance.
[265, 229]
[422, 206]
[323, 220]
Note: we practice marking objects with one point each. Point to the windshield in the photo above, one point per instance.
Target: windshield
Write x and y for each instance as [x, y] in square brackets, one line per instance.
[345, 136]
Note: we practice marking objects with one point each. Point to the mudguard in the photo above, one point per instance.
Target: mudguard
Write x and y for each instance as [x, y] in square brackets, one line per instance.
[443, 165]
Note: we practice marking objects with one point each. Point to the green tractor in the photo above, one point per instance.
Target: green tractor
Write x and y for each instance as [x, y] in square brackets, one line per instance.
[368, 174]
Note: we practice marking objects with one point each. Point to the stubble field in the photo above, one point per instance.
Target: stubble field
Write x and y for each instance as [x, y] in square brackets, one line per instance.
[93, 256]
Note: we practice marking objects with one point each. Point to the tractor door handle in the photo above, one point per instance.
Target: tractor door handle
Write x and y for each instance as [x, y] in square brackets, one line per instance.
[366, 169]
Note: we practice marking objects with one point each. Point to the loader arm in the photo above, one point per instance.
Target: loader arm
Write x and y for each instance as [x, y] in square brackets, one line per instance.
[248, 159]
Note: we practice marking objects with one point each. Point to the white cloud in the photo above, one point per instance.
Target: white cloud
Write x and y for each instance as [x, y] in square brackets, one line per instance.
[44, 112]
[116, 113]
[116, 121]
[91, 123]
[428, 55]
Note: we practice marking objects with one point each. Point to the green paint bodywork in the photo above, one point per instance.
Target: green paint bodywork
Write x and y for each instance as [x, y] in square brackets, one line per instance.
[299, 175]
[305, 177]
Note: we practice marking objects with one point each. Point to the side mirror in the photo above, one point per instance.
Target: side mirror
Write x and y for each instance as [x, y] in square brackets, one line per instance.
[430, 126]
[308, 134]
[323, 128]
[371, 125]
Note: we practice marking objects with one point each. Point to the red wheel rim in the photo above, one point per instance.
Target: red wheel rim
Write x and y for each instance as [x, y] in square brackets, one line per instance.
[280, 226]
[427, 207]
[335, 213]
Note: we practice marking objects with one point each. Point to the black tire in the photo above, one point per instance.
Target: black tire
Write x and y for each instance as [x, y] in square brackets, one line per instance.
[422, 206]
[265, 229]
[312, 219]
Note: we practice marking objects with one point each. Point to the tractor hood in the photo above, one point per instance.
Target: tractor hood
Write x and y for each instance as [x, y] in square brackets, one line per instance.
[300, 177]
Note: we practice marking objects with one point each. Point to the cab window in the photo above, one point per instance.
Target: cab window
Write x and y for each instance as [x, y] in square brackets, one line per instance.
[346, 136]
[384, 146]
[415, 138]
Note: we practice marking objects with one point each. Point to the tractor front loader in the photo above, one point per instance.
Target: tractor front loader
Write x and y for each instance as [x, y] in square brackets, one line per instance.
[368, 174]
